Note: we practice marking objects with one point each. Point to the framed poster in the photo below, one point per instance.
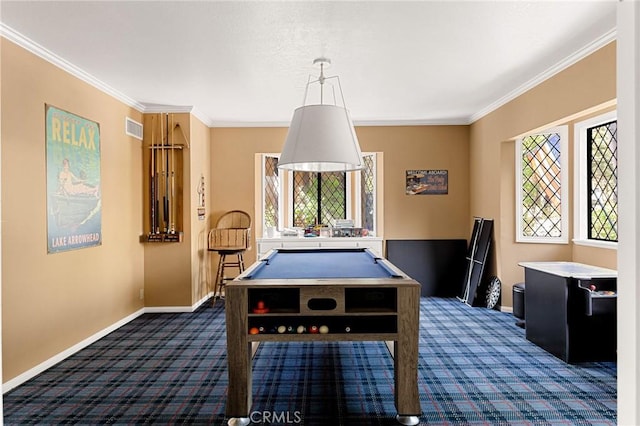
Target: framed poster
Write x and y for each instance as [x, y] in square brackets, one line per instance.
[427, 182]
[74, 205]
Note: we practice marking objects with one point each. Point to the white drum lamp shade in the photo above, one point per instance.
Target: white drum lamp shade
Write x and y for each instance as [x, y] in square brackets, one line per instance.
[321, 138]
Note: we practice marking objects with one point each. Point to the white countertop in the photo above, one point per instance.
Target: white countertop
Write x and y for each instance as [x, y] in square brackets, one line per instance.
[571, 269]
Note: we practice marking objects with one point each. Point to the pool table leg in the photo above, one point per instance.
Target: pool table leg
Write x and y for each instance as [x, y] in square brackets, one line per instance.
[405, 358]
[407, 420]
[239, 358]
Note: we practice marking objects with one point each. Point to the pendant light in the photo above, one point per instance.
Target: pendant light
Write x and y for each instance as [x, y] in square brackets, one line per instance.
[321, 137]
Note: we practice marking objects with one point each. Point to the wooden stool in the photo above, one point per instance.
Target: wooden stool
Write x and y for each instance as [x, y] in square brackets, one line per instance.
[230, 237]
[223, 263]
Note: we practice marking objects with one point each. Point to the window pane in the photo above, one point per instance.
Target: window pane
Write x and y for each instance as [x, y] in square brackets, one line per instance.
[318, 198]
[271, 191]
[305, 198]
[332, 197]
[541, 188]
[367, 191]
[602, 148]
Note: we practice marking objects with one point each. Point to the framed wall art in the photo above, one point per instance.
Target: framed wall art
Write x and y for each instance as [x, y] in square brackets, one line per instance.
[74, 204]
[427, 182]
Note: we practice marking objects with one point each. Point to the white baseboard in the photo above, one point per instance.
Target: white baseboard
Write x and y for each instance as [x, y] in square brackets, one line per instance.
[176, 309]
[168, 309]
[31, 373]
[201, 301]
[508, 309]
[18, 380]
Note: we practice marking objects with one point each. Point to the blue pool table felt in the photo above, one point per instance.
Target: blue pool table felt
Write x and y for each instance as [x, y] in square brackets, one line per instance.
[285, 264]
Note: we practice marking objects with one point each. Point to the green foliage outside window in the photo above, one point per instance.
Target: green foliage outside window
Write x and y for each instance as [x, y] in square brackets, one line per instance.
[541, 190]
[603, 182]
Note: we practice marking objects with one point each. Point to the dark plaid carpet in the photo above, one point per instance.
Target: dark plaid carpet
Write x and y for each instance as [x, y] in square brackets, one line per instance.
[475, 367]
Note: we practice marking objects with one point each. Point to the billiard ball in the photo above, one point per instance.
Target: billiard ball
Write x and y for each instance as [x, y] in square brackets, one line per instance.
[592, 287]
[301, 329]
[260, 308]
[323, 329]
[254, 330]
[313, 329]
[282, 329]
[347, 329]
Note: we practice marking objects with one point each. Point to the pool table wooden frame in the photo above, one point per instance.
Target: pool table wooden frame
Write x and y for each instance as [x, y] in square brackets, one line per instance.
[403, 342]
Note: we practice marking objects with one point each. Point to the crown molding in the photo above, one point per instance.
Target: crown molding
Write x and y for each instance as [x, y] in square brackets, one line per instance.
[202, 117]
[452, 121]
[177, 109]
[165, 108]
[227, 124]
[40, 51]
[357, 123]
[172, 109]
[600, 42]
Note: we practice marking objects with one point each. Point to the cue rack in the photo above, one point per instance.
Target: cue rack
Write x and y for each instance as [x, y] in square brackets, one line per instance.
[164, 189]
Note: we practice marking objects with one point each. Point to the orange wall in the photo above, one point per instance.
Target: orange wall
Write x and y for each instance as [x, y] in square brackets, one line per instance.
[572, 94]
[50, 302]
[404, 148]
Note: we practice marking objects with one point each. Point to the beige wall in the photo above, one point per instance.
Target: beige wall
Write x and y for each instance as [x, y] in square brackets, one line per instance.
[422, 147]
[167, 266]
[404, 148]
[232, 171]
[573, 94]
[51, 302]
[178, 274]
[200, 166]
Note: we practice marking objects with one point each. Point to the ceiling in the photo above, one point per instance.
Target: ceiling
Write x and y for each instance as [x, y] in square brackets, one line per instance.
[244, 63]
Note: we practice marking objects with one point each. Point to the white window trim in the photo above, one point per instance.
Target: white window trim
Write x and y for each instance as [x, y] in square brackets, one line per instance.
[285, 194]
[580, 201]
[374, 202]
[349, 198]
[358, 193]
[564, 194]
[357, 216]
[263, 177]
[288, 219]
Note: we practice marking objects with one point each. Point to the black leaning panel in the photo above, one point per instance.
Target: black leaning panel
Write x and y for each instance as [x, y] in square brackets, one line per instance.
[438, 265]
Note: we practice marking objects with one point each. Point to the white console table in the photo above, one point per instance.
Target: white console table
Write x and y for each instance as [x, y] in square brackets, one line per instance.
[266, 244]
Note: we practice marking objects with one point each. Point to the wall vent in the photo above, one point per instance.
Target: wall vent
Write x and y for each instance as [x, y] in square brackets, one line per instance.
[133, 128]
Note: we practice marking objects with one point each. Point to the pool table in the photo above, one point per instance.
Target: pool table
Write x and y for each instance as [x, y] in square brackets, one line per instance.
[320, 294]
